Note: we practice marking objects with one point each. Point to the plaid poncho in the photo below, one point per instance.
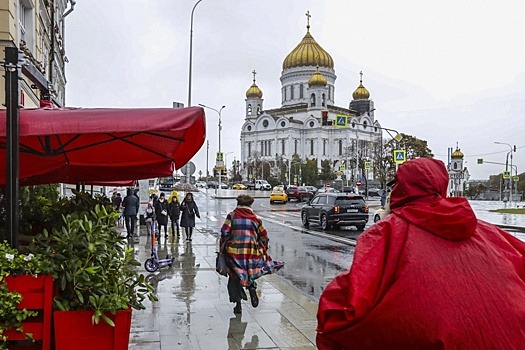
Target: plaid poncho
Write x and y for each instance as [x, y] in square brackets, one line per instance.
[248, 245]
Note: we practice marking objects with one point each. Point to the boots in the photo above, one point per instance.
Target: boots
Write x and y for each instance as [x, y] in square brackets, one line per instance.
[237, 309]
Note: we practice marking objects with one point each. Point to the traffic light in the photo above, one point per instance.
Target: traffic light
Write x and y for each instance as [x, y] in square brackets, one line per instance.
[324, 116]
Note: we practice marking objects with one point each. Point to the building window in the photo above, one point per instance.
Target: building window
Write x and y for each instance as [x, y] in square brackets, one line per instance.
[265, 123]
[312, 100]
[262, 148]
[301, 91]
[329, 93]
[312, 123]
[324, 147]
[258, 109]
[285, 93]
[312, 147]
[323, 100]
[455, 166]
[25, 21]
[283, 143]
[249, 111]
[295, 147]
[340, 147]
[292, 92]
[249, 128]
[283, 124]
[269, 148]
[249, 149]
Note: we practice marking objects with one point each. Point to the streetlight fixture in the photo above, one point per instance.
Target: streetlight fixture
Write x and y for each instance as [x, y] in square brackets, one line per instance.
[507, 165]
[219, 111]
[191, 51]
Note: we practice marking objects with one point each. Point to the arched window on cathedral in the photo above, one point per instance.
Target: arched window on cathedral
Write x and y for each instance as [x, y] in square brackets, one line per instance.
[258, 109]
[455, 166]
[285, 93]
[323, 100]
[301, 91]
[340, 147]
[292, 92]
[249, 109]
[283, 146]
[295, 147]
[312, 147]
[262, 148]
[312, 100]
[324, 147]
[249, 149]
[282, 95]
[329, 93]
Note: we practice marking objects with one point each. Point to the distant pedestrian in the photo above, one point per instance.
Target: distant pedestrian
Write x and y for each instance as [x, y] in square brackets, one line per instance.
[430, 275]
[188, 211]
[174, 213]
[383, 198]
[149, 216]
[246, 246]
[131, 209]
[161, 214]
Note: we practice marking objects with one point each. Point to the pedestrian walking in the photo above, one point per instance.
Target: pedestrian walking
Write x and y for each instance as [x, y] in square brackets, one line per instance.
[161, 214]
[430, 275]
[188, 210]
[245, 242]
[149, 216]
[130, 203]
[174, 213]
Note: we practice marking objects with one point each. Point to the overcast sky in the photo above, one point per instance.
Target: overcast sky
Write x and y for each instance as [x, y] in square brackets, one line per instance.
[444, 71]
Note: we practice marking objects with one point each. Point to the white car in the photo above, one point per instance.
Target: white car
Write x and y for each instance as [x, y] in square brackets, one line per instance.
[201, 184]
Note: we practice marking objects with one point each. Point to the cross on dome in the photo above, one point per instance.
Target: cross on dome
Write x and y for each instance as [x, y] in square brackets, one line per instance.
[308, 15]
[254, 73]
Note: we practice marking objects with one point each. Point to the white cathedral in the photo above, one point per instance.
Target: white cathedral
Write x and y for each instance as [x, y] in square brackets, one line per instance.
[308, 123]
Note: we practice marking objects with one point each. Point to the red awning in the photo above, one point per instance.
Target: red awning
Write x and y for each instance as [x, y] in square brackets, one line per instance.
[74, 145]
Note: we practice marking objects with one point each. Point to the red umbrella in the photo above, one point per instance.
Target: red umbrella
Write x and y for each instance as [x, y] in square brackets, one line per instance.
[74, 145]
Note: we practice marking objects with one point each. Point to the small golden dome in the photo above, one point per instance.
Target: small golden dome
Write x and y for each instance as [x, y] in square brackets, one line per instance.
[254, 91]
[361, 93]
[308, 53]
[317, 79]
[457, 154]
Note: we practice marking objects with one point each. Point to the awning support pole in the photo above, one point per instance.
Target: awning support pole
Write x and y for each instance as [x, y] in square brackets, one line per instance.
[12, 191]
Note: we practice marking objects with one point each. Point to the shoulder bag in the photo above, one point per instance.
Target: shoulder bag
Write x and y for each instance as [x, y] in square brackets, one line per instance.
[221, 265]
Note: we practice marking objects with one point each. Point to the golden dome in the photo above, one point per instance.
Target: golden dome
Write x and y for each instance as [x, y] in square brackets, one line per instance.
[254, 91]
[361, 93]
[308, 53]
[317, 79]
[457, 154]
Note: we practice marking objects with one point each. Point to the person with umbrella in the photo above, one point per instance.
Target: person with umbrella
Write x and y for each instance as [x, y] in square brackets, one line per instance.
[189, 210]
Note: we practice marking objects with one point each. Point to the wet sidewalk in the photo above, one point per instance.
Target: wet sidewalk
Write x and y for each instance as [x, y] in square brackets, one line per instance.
[193, 310]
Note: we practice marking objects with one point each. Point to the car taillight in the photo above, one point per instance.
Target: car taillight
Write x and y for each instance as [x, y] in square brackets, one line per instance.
[366, 208]
[336, 209]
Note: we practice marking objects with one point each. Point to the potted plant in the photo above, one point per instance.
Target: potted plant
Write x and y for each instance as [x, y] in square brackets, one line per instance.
[25, 287]
[96, 278]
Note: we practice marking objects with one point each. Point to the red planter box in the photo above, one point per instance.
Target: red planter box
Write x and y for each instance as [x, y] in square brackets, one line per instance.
[37, 294]
[74, 330]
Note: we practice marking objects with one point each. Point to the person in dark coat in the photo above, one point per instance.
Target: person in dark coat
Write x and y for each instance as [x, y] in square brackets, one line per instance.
[131, 209]
[174, 212]
[161, 212]
[188, 210]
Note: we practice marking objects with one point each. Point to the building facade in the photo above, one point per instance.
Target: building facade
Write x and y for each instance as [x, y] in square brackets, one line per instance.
[36, 28]
[308, 124]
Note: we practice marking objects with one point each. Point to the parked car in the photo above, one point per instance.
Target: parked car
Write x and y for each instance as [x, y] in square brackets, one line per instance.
[250, 185]
[299, 193]
[335, 210]
[224, 185]
[212, 184]
[262, 185]
[278, 195]
[239, 187]
[312, 189]
[328, 190]
[201, 184]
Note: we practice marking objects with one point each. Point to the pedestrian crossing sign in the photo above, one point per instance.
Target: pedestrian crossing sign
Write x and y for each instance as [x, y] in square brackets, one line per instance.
[341, 120]
[342, 167]
[400, 156]
[506, 174]
[368, 165]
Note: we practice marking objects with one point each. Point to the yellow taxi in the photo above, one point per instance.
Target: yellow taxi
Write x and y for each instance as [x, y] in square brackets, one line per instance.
[278, 195]
[238, 187]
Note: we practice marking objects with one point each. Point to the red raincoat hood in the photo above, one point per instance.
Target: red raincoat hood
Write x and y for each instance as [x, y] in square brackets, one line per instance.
[419, 197]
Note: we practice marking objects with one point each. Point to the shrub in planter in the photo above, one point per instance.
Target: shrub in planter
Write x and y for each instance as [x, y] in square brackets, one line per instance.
[13, 264]
[94, 268]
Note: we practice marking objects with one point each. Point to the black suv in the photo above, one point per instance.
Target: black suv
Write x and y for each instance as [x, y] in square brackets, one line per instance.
[335, 210]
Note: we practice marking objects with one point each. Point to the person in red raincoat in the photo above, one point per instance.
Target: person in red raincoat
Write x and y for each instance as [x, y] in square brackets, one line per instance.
[428, 276]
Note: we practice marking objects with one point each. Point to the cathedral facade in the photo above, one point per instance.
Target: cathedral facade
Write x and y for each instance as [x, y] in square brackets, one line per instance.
[308, 124]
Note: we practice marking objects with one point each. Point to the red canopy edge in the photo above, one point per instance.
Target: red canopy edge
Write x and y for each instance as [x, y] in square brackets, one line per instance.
[74, 145]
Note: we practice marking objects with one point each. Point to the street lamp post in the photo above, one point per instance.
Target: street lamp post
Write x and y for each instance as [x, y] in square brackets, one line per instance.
[191, 52]
[507, 165]
[219, 111]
